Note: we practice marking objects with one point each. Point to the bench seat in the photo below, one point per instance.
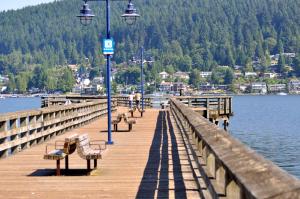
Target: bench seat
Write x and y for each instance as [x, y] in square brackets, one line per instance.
[56, 154]
[87, 152]
[62, 151]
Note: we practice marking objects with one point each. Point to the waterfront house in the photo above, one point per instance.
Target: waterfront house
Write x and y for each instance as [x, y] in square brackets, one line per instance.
[205, 74]
[206, 87]
[164, 75]
[250, 74]
[270, 75]
[73, 67]
[221, 87]
[177, 86]
[181, 75]
[294, 86]
[258, 87]
[276, 88]
[165, 86]
[238, 74]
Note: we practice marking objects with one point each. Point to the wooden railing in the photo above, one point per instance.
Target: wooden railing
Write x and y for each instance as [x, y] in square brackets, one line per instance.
[124, 101]
[49, 101]
[217, 105]
[21, 130]
[229, 168]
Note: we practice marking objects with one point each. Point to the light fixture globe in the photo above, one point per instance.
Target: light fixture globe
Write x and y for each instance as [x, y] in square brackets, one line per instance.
[130, 14]
[86, 15]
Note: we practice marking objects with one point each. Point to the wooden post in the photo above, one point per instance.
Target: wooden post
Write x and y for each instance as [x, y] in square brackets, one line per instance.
[58, 167]
[67, 162]
[207, 108]
[95, 163]
[88, 165]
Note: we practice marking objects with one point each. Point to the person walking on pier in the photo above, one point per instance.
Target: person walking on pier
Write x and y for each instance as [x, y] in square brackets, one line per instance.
[131, 96]
[137, 99]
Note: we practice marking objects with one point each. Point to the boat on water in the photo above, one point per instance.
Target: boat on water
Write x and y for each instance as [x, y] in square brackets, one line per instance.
[2, 97]
[282, 93]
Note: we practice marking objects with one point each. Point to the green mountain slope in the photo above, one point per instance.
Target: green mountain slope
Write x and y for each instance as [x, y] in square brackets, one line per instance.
[183, 34]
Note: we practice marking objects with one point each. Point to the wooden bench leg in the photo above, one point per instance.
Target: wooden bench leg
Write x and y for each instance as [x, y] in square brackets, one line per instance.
[88, 165]
[129, 127]
[132, 114]
[141, 114]
[57, 167]
[67, 163]
[95, 163]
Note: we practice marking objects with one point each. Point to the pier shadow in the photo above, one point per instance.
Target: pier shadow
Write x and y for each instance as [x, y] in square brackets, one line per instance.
[155, 181]
[63, 172]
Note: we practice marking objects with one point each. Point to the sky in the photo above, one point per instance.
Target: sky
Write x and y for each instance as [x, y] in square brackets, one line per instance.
[16, 4]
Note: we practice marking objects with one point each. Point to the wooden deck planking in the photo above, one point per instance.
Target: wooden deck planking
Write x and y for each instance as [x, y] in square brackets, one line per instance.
[148, 162]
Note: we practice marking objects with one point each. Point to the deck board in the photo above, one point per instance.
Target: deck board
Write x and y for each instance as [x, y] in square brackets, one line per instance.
[148, 162]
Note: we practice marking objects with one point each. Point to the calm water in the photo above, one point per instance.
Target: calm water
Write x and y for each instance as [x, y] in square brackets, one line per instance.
[18, 104]
[271, 126]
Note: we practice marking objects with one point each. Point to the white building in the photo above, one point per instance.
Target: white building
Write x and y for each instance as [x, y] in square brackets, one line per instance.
[250, 74]
[204, 74]
[181, 75]
[294, 86]
[276, 88]
[259, 87]
[164, 75]
[165, 86]
[270, 75]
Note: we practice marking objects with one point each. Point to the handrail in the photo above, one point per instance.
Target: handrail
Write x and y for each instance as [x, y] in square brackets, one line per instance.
[230, 168]
[23, 129]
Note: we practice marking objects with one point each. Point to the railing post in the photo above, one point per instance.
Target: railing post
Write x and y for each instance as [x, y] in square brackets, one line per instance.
[207, 108]
[3, 128]
[233, 191]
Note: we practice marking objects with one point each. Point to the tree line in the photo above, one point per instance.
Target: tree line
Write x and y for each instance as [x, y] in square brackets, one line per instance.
[180, 35]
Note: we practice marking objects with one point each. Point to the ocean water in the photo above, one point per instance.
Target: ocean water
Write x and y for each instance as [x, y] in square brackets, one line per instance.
[19, 104]
[271, 126]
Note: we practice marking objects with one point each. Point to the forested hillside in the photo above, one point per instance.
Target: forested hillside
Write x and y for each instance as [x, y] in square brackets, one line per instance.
[181, 35]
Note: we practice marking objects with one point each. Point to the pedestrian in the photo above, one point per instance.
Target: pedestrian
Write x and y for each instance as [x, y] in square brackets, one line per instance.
[137, 99]
[131, 96]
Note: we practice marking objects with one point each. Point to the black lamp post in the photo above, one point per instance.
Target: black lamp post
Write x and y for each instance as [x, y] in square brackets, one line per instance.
[86, 17]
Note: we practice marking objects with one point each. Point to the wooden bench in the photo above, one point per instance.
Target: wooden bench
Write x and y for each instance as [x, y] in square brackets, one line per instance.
[87, 152]
[126, 120]
[130, 122]
[132, 110]
[62, 151]
[141, 111]
[116, 121]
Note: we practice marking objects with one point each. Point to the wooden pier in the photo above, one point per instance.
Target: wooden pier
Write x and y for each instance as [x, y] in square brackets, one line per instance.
[170, 153]
[148, 162]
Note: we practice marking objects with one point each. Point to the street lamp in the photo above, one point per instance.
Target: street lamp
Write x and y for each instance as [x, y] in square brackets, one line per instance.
[142, 74]
[86, 17]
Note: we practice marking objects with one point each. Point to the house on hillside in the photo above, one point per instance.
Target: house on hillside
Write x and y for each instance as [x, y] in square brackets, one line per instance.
[276, 88]
[294, 86]
[258, 87]
[238, 74]
[73, 67]
[270, 75]
[206, 87]
[250, 74]
[164, 75]
[205, 74]
[165, 86]
[181, 75]
[177, 86]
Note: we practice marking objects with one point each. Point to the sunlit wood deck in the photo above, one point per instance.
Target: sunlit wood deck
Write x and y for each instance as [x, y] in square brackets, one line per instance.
[148, 162]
